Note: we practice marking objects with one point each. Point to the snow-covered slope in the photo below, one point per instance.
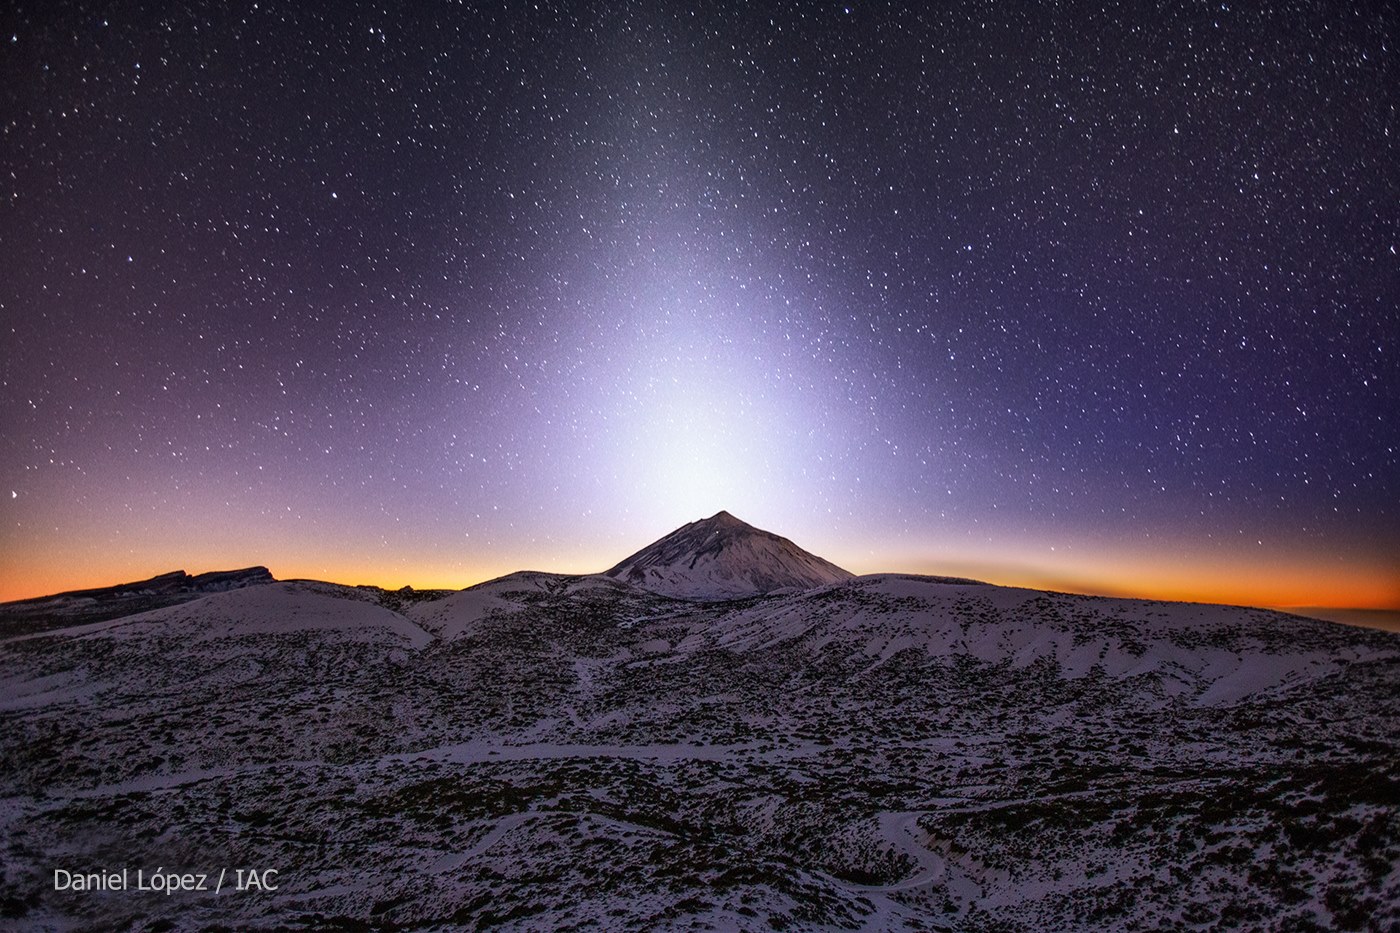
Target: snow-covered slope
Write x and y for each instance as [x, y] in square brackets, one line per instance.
[721, 557]
[464, 613]
[886, 752]
[1212, 654]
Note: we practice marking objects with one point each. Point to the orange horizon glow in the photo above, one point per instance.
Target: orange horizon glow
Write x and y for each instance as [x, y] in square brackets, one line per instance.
[1275, 581]
[1271, 583]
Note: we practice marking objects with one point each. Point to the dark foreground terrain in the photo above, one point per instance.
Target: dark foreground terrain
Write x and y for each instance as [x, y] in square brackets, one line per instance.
[550, 752]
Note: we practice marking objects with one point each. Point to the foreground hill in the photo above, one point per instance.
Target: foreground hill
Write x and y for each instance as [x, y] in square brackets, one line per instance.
[547, 751]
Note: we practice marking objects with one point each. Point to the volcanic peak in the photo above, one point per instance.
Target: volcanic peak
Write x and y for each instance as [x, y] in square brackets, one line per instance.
[722, 557]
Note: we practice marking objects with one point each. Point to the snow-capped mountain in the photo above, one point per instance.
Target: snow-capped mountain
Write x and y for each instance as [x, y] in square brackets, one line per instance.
[541, 751]
[721, 557]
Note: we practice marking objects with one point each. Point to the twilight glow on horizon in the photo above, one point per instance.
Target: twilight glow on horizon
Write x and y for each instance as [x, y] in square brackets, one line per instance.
[1104, 301]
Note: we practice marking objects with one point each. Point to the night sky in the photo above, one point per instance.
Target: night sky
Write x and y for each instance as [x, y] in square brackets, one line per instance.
[1085, 296]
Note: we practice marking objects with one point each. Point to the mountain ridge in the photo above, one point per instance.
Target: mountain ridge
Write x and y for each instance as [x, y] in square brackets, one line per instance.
[98, 604]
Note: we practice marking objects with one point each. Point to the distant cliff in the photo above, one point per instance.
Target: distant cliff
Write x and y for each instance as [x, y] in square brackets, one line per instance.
[110, 602]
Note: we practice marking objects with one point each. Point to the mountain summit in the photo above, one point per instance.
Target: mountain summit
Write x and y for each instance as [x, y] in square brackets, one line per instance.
[721, 557]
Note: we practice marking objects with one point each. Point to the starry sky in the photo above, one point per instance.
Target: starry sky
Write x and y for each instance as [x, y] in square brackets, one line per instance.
[1100, 297]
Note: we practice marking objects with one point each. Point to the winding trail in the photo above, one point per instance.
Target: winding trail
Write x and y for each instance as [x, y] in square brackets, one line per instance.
[901, 829]
[473, 752]
[506, 824]
[454, 860]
